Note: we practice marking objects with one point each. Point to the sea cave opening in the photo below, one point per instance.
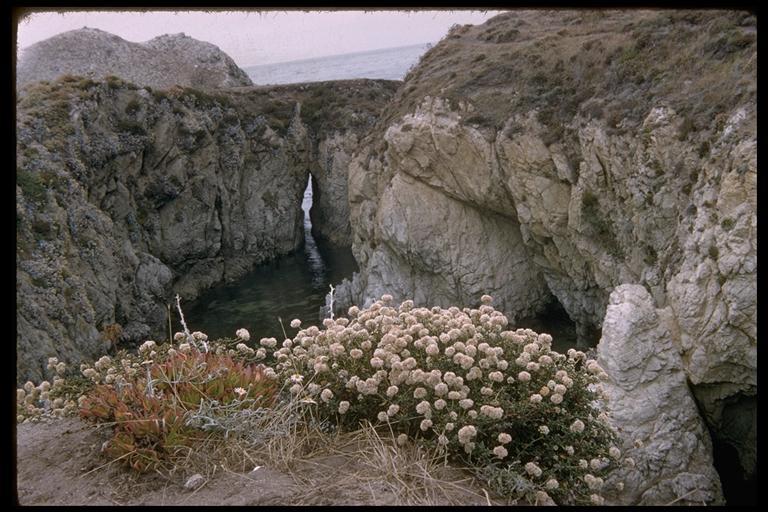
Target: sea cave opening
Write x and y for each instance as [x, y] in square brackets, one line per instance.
[554, 320]
[738, 489]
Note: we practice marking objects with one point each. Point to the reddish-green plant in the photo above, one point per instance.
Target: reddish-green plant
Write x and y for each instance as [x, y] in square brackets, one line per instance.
[148, 429]
[194, 376]
[149, 409]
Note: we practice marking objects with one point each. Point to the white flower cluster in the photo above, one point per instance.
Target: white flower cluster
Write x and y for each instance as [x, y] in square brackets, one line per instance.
[147, 346]
[500, 452]
[594, 483]
[244, 349]
[577, 426]
[103, 363]
[533, 469]
[444, 374]
[32, 401]
[55, 365]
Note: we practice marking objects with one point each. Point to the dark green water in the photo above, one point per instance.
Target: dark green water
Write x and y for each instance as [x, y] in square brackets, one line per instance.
[292, 286]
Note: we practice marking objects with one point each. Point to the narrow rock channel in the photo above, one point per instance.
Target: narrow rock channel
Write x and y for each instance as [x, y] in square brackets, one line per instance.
[291, 286]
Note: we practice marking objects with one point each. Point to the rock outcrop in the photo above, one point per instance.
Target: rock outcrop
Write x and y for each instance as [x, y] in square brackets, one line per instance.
[161, 62]
[126, 197]
[562, 154]
[330, 206]
[652, 407]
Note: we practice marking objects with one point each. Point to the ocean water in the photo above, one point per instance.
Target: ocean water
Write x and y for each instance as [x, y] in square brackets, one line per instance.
[388, 64]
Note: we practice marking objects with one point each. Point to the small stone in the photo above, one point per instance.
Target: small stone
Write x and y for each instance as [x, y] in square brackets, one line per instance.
[194, 482]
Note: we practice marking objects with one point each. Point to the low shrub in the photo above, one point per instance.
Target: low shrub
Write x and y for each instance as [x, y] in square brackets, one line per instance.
[153, 398]
[31, 184]
[133, 106]
[115, 82]
[150, 410]
[148, 429]
[601, 227]
[455, 382]
[206, 99]
[132, 127]
[499, 400]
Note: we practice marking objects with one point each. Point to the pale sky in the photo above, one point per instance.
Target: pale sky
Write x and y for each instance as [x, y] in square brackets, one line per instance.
[263, 37]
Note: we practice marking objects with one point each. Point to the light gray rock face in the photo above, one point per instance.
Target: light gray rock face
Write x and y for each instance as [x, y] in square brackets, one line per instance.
[125, 198]
[330, 205]
[167, 60]
[652, 407]
[431, 231]
[609, 177]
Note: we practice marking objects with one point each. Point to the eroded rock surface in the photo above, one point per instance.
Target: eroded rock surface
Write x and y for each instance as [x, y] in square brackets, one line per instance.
[652, 407]
[620, 145]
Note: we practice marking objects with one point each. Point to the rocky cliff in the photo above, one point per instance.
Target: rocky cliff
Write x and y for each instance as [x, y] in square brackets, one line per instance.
[603, 161]
[126, 196]
[557, 155]
[161, 62]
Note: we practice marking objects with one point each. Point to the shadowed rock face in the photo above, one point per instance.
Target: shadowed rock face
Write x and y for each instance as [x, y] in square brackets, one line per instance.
[126, 197]
[593, 149]
[161, 62]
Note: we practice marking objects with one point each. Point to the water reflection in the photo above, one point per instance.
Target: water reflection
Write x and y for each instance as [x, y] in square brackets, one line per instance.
[293, 286]
[314, 258]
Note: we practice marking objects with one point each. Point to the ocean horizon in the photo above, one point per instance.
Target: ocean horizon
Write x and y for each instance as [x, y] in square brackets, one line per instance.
[385, 63]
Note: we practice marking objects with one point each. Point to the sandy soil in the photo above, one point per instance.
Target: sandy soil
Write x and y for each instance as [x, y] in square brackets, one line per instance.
[58, 463]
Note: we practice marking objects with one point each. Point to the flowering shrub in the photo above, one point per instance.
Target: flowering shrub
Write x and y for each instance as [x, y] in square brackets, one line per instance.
[57, 399]
[497, 399]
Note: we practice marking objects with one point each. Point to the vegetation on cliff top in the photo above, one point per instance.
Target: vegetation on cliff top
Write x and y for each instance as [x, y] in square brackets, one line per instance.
[45, 108]
[561, 65]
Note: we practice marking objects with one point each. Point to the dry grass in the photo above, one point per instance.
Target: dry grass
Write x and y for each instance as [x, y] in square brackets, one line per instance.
[301, 441]
[367, 466]
[279, 437]
[411, 473]
[320, 466]
[329, 467]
